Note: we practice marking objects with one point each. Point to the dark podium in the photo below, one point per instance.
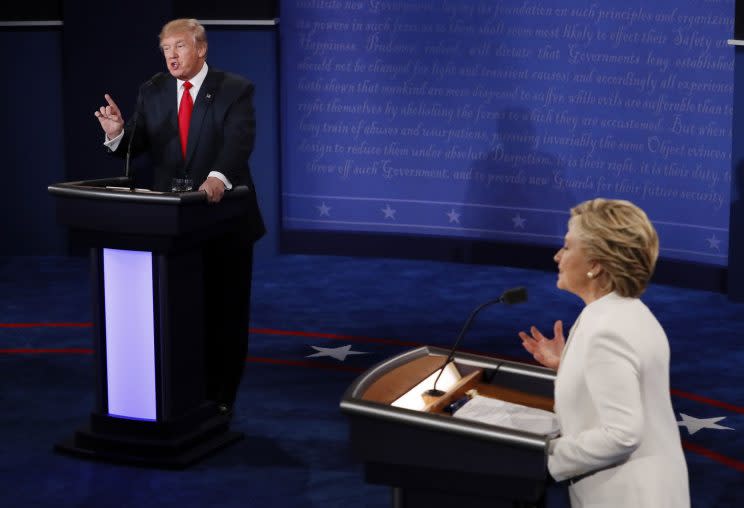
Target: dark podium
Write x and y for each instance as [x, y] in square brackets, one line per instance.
[431, 459]
[148, 318]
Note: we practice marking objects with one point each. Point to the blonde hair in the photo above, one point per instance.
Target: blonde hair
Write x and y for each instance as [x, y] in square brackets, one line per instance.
[619, 236]
[183, 25]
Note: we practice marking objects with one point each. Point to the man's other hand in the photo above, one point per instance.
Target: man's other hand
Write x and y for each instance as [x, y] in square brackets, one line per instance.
[214, 188]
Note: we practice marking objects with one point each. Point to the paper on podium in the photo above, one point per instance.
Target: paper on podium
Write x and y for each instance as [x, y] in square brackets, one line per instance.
[509, 415]
[114, 187]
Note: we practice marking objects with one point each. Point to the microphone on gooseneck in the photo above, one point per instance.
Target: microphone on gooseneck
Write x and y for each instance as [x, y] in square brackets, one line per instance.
[510, 297]
[128, 170]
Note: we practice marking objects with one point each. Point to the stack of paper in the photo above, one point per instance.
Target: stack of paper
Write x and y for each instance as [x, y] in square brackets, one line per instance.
[512, 416]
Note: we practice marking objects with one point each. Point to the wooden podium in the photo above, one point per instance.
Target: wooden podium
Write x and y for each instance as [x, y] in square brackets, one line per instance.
[431, 459]
[148, 319]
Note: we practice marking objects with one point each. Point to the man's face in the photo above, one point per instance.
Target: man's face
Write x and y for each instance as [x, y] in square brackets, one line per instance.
[183, 57]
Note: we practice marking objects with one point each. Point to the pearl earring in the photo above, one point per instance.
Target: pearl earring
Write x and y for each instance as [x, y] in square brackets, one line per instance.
[590, 275]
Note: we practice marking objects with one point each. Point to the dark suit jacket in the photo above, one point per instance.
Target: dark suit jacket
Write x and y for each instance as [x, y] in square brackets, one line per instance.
[221, 134]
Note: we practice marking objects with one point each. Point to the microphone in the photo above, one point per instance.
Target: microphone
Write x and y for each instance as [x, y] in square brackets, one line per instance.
[510, 297]
[127, 169]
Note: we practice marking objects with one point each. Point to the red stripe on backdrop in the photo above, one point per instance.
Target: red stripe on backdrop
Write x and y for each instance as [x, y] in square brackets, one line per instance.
[44, 351]
[306, 364]
[260, 331]
[706, 400]
[721, 459]
[250, 359]
[46, 325]
[334, 336]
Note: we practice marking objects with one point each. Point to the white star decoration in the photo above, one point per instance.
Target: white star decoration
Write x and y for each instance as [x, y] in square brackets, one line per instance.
[389, 212]
[518, 221]
[324, 209]
[714, 243]
[453, 216]
[339, 353]
[695, 424]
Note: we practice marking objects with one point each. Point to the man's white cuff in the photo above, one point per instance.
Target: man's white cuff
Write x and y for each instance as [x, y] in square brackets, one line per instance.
[112, 144]
[222, 178]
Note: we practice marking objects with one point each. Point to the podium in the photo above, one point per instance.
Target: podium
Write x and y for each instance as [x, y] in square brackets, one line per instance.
[431, 459]
[148, 319]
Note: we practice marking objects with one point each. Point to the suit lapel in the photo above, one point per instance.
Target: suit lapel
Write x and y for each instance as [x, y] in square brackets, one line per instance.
[167, 94]
[569, 340]
[201, 106]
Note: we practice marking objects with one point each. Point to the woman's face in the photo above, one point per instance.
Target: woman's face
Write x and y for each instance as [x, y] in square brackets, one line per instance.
[573, 266]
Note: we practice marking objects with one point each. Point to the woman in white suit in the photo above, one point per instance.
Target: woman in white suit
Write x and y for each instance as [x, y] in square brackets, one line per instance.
[619, 444]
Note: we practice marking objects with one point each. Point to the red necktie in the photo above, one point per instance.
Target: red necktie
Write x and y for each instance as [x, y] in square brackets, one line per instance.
[184, 116]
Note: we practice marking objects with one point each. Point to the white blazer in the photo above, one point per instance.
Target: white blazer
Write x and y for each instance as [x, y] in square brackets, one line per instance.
[613, 404]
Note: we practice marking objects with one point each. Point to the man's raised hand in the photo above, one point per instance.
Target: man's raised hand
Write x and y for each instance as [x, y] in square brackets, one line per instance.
[110, 118]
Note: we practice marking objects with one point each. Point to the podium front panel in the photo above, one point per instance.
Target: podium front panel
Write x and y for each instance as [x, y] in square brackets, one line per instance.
[428, 449]
[130, 334]
[147, 274]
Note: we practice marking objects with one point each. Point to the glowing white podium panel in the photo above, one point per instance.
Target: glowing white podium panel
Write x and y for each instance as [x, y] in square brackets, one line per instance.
[130, 334]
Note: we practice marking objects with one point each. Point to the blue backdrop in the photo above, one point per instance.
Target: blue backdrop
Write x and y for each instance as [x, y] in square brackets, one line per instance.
[485, 119]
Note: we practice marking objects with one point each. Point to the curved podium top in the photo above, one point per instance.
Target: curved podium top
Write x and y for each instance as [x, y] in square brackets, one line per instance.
[105, 212]
[117, 189]
[423, 448]
[372, 394]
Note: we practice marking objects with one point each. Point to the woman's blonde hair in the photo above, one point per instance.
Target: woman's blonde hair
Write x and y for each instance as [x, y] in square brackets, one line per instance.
[619, 236]
[184, 25]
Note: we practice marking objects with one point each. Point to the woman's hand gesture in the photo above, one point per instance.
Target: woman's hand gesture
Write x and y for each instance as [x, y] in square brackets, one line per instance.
[546, 351]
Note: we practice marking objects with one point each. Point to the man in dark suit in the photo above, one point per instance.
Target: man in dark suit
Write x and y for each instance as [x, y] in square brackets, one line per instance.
[198, 124]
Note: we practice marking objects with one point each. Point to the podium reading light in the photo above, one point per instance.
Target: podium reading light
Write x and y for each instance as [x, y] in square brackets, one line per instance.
[509, 297]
